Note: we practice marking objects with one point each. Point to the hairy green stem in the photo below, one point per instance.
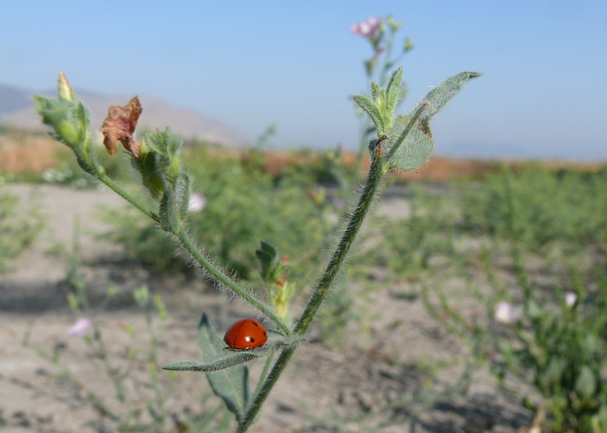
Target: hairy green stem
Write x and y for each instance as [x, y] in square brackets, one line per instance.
[223, 279]
[343, 248]
[125, 195]
[261, 397]
[322, 288]
[331, 271]
[187, 244]
[264, 373]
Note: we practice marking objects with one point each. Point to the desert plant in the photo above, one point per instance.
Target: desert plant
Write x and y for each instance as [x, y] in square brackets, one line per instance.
[428, 232]
[231, 187]
[552, 338]
[403, 142]
[548, 206]
[19, 227]
[143, 399]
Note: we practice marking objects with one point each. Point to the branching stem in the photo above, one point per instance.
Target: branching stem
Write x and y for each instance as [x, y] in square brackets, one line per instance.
[223, 279]
[128, 197]
[189, 246]
[322, 288]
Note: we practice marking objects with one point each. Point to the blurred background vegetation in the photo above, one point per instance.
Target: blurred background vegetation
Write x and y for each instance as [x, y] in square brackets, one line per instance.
[521, 231]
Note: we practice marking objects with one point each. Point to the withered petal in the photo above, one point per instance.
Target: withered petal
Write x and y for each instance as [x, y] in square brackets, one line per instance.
[134, 106]
[119, 126]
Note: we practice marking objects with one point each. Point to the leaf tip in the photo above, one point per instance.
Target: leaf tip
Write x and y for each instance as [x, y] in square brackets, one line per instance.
[204, 321]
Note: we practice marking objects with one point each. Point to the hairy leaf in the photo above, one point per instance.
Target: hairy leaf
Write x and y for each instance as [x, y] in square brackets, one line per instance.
[232, 385]
[368, 105]
[417, 145]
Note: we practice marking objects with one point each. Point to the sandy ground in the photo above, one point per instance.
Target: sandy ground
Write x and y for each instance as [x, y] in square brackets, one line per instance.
[356, 385]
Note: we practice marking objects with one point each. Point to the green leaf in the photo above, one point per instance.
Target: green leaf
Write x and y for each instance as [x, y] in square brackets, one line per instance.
[441, 94]
[393, 91]
[414, 151]
[69, 120]
[52, 111]
[232, 384]
[266, 255]
[554, 371]
[534, 311]
[366, 104]
[182, 194]
[221, 363]
[166, 145]
[149, 167]
[376, 92]
[417, 146]
[168, 219]
[585, 384]
[82, 118]
[590, 346]
[227, 358]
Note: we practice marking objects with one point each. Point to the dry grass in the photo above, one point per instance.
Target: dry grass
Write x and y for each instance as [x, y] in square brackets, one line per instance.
[32, 154]
[22, 152]
[438, 169]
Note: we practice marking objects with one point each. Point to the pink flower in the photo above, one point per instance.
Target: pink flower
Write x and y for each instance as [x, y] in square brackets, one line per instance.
[197, 203]
[506, 312]
[81, 327]
[369, 28]
[570, 299]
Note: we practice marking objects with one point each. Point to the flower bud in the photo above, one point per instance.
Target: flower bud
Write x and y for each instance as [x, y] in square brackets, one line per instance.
[64, 90]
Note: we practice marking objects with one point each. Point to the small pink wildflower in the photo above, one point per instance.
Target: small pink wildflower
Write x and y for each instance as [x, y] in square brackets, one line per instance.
[81, 327]
[506, 312]
[197, 203]
[570, 299]
[369, 28]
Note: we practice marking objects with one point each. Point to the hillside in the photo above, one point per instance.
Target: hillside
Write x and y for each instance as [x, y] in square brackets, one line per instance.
[16, 109]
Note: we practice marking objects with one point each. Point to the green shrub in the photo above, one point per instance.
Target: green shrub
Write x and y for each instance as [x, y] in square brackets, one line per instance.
[548, 206]
[67, 172]
[18, 230]
[409, 244]
[243, 205]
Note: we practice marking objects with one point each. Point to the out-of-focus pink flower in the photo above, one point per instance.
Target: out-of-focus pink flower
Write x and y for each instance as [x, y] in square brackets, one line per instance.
[197, 202]
[570, 299]
[506, 312]
[81, 327]
[369, 28]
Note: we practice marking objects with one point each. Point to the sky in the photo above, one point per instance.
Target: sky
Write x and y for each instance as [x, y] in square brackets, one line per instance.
[296, 64]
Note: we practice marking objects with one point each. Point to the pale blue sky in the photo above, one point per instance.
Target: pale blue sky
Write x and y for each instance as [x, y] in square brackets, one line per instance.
[249, 64]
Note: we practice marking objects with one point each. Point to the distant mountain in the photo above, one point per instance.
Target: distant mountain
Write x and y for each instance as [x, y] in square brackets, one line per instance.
[17, 109]
[13, 99]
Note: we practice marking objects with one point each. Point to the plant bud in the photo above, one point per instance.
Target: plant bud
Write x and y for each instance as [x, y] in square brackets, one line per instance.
[65, 91]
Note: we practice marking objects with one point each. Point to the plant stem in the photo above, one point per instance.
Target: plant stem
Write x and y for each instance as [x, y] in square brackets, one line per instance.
[269, 383]
[223, 279]
[264, 373]
[343, 248]
[187, 244]
[125, 195]
[322, 288]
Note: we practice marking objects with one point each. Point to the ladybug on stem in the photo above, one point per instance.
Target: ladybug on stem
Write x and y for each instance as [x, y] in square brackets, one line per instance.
[246, 334]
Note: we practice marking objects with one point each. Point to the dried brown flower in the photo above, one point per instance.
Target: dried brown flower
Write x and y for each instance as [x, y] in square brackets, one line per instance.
[119, 126]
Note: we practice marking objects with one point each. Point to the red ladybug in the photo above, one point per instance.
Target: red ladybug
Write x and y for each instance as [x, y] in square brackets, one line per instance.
[246, 334]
